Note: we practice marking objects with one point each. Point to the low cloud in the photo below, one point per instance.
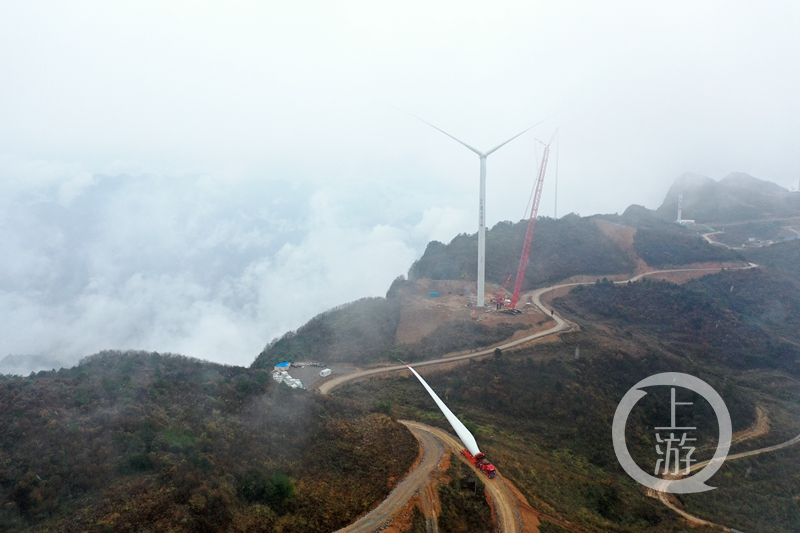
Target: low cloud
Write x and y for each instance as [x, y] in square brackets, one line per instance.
[206, 267]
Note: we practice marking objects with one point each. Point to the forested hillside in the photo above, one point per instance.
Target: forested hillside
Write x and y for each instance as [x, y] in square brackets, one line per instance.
[675, 246]
[761, 297]
[783, 256]
[357, 332]
[737, 197]
[543, 413]
[363, 332]
[761, 230]
[148, 442]
[561, 248]
[544, 418]
[140, 441]
[754, 329]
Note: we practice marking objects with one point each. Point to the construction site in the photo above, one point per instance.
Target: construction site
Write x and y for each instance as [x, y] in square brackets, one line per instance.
[426, 306]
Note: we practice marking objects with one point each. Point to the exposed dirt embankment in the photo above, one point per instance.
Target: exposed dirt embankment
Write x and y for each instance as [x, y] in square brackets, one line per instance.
[678, 275]
[510, 508]
[686, 273]
[421, 313]
[623, 237]
[420, 489]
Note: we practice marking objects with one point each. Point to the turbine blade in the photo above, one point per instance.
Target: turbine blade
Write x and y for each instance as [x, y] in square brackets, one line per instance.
[439, 129]
[461, 430]
[517, 135]
[508, 141]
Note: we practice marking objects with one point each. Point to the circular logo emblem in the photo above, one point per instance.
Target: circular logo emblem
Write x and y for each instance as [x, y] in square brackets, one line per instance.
[670, 446]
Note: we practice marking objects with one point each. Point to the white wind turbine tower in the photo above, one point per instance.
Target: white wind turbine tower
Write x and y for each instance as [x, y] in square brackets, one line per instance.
[481, 296]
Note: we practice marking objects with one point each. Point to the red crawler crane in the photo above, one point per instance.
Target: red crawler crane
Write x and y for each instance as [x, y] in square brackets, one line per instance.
[499, 296]
[526, 247]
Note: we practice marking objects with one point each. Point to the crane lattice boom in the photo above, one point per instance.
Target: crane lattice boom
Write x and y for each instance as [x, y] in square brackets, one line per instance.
[526, 247]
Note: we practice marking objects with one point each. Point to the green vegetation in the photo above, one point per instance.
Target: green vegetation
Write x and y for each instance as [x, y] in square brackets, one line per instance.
[665, 248]
[737, 197]
[695, 319]
[765, 230]
[364, 332]
[154, 442]
[355, 333]
[544, 391]
[543, 415]
[158, 442]
[418, 522]
[464, 509]
[452, 337]
[561, 248]
[783, 256]
[549, 527]
[759, 298]
[544, 419]
[757, 493]
[638, 216]
[274, 490]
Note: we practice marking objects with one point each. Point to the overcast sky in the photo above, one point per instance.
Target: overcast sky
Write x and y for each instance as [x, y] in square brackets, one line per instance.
[268, 181]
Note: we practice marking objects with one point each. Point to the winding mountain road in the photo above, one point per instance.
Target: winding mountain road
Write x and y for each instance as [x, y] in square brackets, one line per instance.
[432, 453]
[561, 325]
[707, 237]
[434, 443]
[666, 497]
[434, 440]
[504, 502]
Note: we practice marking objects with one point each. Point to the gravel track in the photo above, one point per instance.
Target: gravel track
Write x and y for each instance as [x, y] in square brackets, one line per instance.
[431, 439]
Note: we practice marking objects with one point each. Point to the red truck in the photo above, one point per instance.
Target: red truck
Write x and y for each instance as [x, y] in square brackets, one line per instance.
[481, 463]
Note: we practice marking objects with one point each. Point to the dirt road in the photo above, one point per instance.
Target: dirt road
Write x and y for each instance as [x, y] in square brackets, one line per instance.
[505, 503]
[560, 325]
[337, 381]
[760, 428]
[434, 443]
[707, 237]
[432, 450]
[793, 229]
[790, 442]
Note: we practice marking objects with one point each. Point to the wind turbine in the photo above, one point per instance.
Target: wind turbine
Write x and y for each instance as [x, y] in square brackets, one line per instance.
[481, 297]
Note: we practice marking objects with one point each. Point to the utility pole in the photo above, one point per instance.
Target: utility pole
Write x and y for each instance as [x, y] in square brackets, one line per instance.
[555, 211]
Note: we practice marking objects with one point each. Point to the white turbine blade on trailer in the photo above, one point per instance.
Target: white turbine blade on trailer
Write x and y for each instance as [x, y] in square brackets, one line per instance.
[461, 430]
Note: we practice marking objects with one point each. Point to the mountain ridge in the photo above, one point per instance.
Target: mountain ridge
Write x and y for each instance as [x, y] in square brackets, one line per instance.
[130, 440]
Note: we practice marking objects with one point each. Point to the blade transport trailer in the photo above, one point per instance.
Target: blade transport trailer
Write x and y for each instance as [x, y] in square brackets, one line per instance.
[481, 463]
[471, 450]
